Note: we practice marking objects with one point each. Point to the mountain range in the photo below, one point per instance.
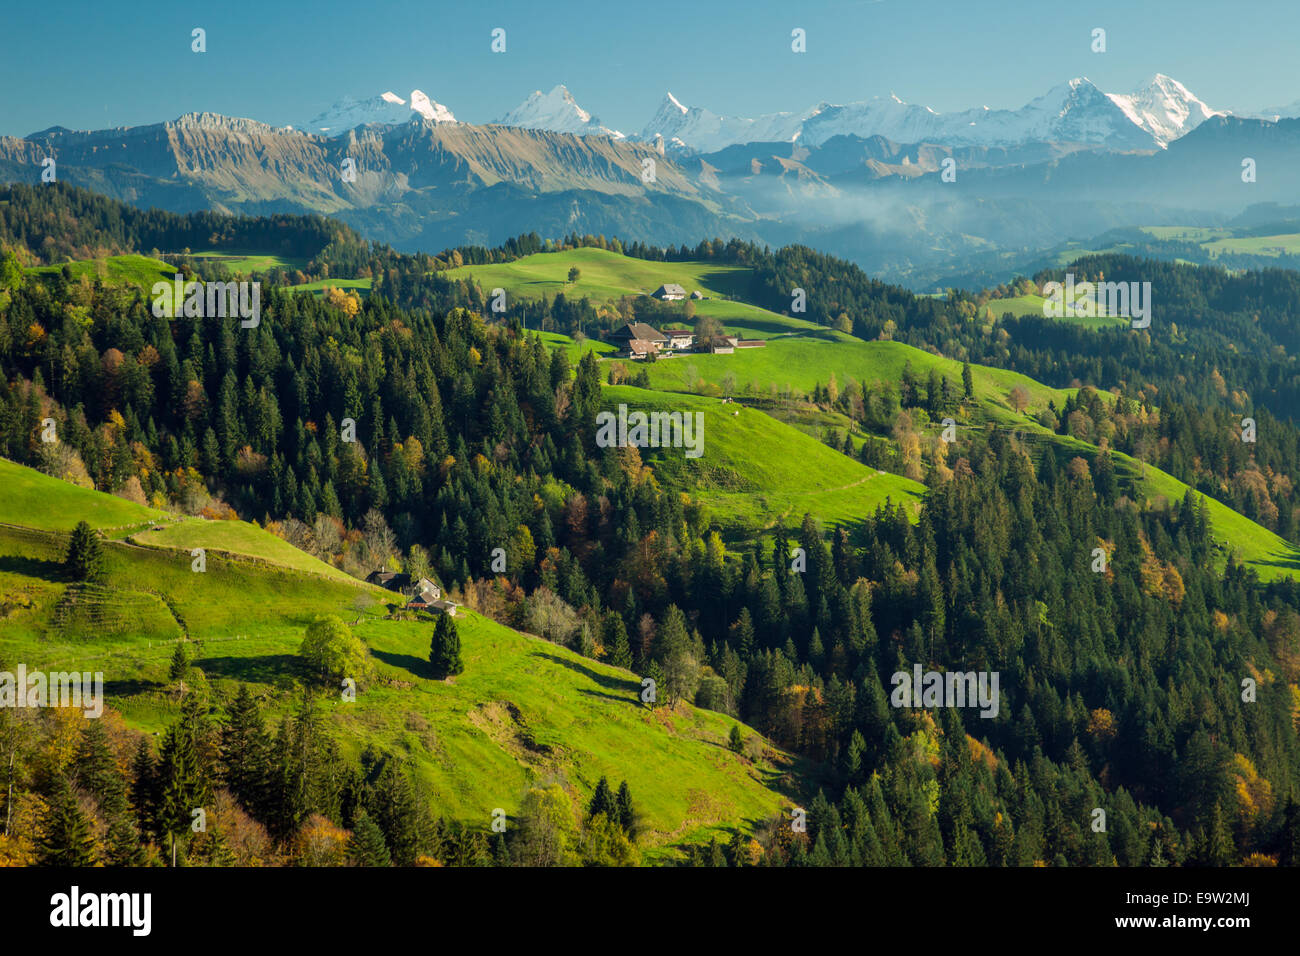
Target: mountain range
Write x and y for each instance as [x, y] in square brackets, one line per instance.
[1074, 112]
[558, 112]
[863, 180]
[386, 109]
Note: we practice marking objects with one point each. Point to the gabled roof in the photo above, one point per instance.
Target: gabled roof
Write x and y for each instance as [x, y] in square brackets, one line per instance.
[669, 288]
[388, 579]
[638, 330]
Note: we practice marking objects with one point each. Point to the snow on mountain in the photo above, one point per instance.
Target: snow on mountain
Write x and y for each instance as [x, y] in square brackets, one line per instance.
[387, 108]
[1164, 108]
[1074, 112]
[558, 112]
[705, 131]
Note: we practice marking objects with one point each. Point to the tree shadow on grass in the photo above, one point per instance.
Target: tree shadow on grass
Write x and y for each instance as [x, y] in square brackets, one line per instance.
[33, 567]
[1289, 560]
[264, 669]
[604, 680]
[130, 687]
[418, 666]
[634, 700]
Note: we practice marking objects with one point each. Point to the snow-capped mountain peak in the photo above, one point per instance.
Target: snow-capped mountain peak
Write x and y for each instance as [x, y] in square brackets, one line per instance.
[1164, 108]
[1076, 111]
[387, 108]
[705, 131]
[674, 102]
[558, 112]
[429, 109]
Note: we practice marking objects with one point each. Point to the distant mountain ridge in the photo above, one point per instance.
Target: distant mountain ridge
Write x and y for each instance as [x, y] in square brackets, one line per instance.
[426, 183]
[558, 112]
[386, 109]
[1076, 112]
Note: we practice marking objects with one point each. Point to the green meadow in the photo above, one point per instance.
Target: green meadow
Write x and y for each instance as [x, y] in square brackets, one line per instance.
[524, 711]
[1033, 305]
[320, 285]
[135, 270]
[246, 262]
[755, 470]
[234, 537]
[39, 500]
[799, 363]
[607, 276]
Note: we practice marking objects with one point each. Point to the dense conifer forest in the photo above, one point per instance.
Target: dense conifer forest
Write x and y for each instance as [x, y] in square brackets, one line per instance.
[1120, 690]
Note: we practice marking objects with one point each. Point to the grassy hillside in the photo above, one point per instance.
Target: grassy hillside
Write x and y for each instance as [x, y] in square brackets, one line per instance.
[607, 276]
[1219, 241]
[248, 262]
[574, 350]
[1032, 305]
[801, 362]
[235, 537]
[755, 470]
[127, 270]
[524, 711]
[33, 498]
[1268, 554]
[320, 285]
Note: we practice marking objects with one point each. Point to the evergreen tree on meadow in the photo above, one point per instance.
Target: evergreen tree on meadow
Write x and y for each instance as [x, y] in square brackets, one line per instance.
[444, 650]
[626, 815]
[602, 801]
[180, 663]
[617, 649]
[735, 740]
[85, 556]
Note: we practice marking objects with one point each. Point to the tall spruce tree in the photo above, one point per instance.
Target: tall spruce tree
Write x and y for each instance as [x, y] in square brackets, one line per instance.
[366, 846]
[444, 650]
[602, 801]
[66, 835]
[85, 556]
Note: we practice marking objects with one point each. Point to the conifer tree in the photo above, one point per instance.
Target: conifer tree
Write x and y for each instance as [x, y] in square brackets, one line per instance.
[602, 801]
[85, 557]
[144, 787]
[180, 663]
[444, 650]
[625, 813]
[366, 846]
[66, 836]
[735, 740]
[245, 753]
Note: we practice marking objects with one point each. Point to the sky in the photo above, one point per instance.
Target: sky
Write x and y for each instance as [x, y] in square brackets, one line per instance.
[87, 64]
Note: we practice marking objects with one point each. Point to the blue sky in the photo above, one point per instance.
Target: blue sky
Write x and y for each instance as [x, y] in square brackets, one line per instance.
[93, 64]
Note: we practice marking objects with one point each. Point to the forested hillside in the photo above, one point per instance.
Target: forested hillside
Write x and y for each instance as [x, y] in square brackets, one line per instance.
[475, 461]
